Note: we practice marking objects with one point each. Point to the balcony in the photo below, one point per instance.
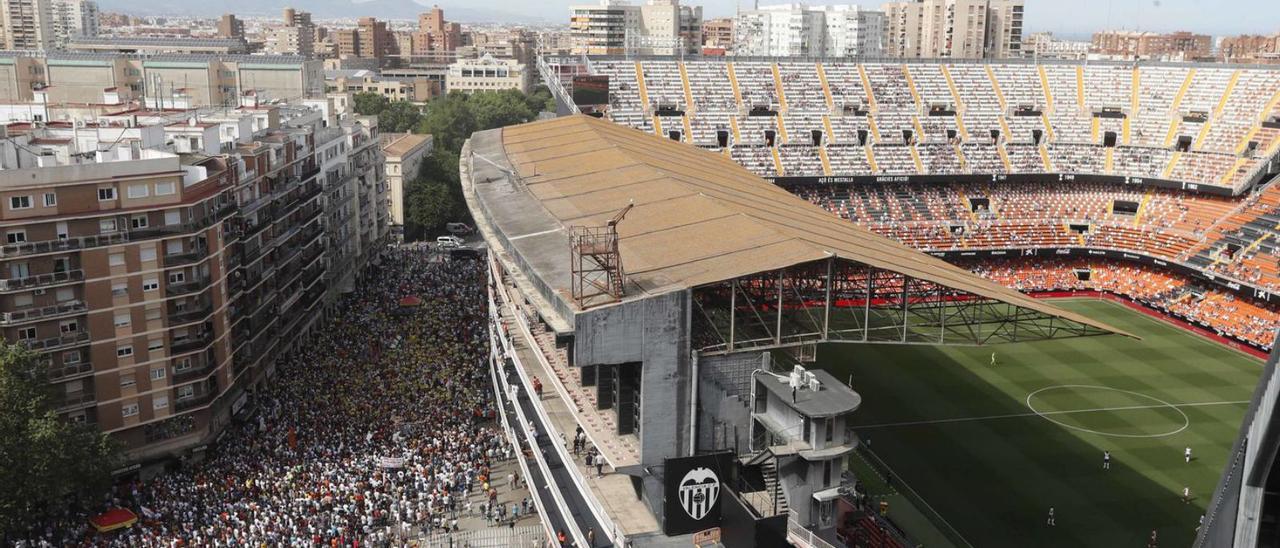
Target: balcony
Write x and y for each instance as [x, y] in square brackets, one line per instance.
[178, 259]
[56, 343]
[190, 286]
[182, 346]
[46, 313]
[197, 313]
[180, 377]
[78, 400]
[42, 280]
[192, 402]
[69, 371]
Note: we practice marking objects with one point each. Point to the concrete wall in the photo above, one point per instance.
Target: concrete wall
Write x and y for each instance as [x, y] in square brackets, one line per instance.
[652, 331]
[724, 391]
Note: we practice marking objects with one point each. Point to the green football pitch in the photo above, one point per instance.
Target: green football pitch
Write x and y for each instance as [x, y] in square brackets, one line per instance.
[990, 448]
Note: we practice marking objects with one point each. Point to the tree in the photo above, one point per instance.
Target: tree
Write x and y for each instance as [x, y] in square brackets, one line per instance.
[494, 109]
[399, 117]
[367, 103]
[50, 463]
[541, 100]
[449, 120]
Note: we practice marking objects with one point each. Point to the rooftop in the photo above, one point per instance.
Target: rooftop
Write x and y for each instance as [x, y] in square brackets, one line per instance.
[400, 144]
[831, 399]
[699, 218]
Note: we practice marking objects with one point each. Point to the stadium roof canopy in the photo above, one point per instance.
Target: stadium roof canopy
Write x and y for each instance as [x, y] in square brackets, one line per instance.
[698, 218]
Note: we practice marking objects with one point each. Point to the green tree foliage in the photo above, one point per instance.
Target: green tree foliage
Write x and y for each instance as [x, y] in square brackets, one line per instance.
[399, 117]
[434, 197]
[47, 464]
[449, 120]
[367, 103]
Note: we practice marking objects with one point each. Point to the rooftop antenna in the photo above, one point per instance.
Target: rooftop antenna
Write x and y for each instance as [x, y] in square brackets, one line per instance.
[596, 261]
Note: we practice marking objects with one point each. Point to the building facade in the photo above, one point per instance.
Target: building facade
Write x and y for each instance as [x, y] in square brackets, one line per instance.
[230, 26]
[965, 29]
[186, 81]
[156, 277]
[614, 27]
[488, 74]
[73, 19]
[1250, 49]
[795, 30]
[1177, 46]
[717, 34]
[404, 153]
[296, 37]
[28, 24]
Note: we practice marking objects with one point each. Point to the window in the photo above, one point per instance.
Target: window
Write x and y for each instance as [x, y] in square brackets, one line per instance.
[138, 221]
[119, 289]
[69, 326]
[23, 300]
[172, 217]
[150, 284]
[166, 189]
[177, 277]
[158, 374]
[106, 226]
[62, 230]
[122, 319]
[50, 199]
[139, 191]
[19, 202]
[129, 410]
[173, 247]
[16, 236]
[65, 294]
[127, 381]
[27, 333]
[153, 314]
[831, 428]
[159, 402]
[154, 345]
[826, 473]
[116, 259]
[147, 254]
[70, 358]
[106, 193]
[124, 351]
[182, 365]
[187, 391]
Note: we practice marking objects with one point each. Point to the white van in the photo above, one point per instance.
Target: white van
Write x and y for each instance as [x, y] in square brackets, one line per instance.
[448, 242]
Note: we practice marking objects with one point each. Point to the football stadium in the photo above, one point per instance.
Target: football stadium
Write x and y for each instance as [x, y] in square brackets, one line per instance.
[830, 302]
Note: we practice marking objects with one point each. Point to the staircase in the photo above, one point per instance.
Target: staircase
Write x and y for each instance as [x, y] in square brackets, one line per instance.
[774, 488]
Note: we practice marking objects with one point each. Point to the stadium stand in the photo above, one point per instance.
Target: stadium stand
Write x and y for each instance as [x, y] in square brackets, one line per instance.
[1206, 125]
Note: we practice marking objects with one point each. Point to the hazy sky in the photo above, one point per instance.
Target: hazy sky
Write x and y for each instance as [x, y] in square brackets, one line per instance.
[1077, 16]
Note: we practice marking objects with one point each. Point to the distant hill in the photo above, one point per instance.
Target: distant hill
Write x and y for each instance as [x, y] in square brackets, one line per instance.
[320, 9]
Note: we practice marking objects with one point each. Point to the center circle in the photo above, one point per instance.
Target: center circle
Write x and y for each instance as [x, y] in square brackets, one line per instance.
[1106, 403]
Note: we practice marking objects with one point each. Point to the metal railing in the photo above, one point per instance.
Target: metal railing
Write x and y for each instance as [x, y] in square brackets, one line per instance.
[40, 280]
[34, 314]
[69, 370]
[55, 343]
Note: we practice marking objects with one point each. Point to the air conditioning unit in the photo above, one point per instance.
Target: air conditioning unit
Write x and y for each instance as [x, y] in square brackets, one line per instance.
[39, 292]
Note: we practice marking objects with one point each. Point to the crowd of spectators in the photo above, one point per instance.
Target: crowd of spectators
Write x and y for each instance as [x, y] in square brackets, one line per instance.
[1158, 289]
[381, 423]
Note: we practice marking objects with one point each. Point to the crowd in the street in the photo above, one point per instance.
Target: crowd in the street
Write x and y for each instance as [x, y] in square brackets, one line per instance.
[380, 422]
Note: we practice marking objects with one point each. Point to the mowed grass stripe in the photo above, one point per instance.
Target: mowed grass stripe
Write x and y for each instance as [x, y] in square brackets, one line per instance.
[994, 480]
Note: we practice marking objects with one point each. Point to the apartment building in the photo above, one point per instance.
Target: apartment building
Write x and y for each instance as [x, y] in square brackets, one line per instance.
[73, 19]
[613, 27]
[28, 24]
[1250, 48]
[1133, 45]
[963, 29]
[165, 81]
[435, 35]
[717, 34]
[370, 40]
[488, 74]
[404, 153]
[417, 89]
[157, 274]
[796, 30]
[229, 26]
[296, 37]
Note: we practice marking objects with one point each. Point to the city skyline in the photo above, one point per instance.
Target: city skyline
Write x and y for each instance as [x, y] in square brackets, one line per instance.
[1078, 18]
